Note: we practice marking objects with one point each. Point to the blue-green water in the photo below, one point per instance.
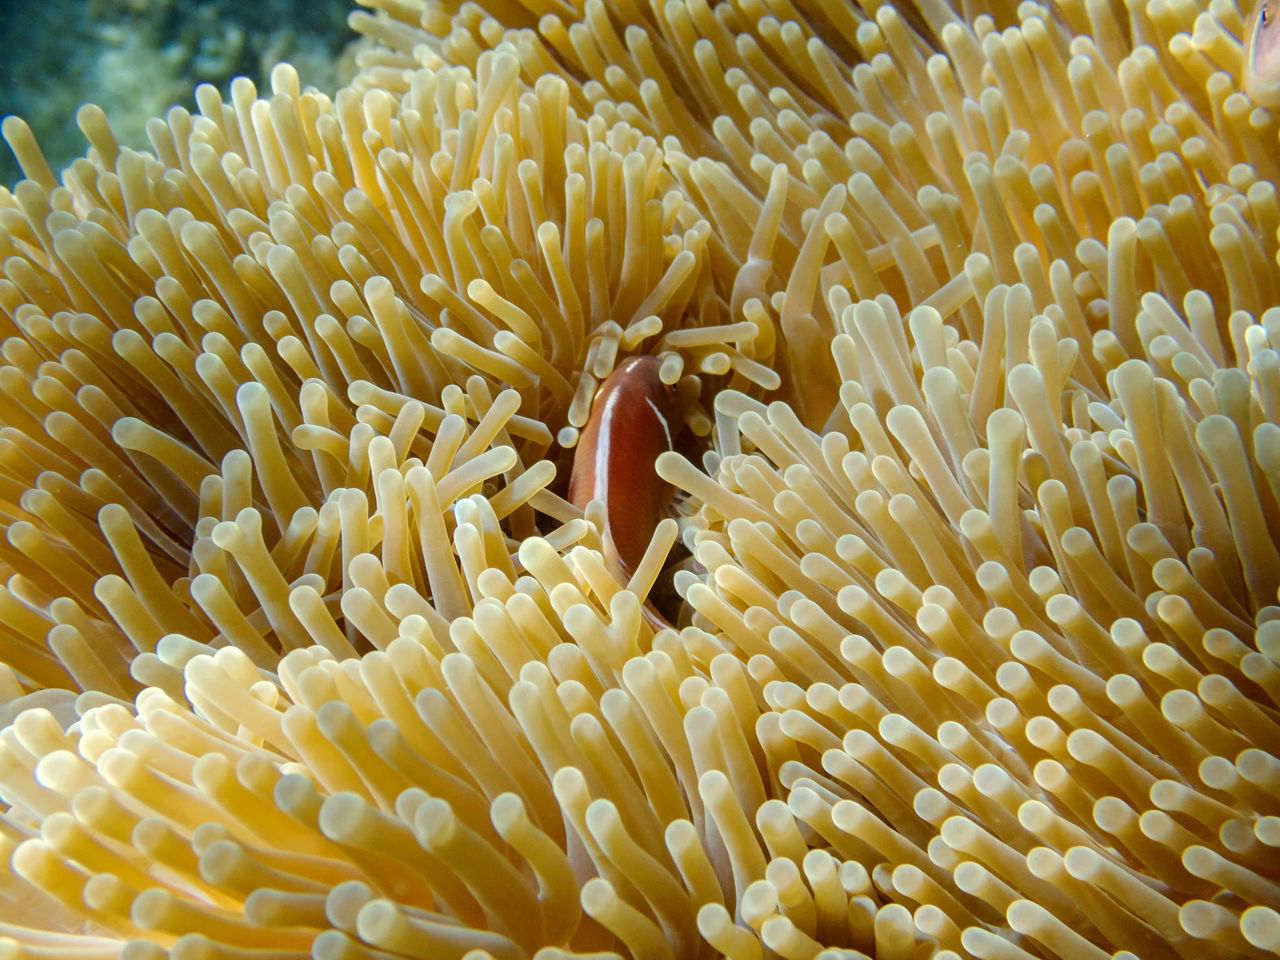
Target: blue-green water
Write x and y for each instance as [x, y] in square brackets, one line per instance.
[137, 58]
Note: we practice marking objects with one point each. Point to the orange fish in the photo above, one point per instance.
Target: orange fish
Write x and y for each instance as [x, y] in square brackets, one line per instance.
[633, 419]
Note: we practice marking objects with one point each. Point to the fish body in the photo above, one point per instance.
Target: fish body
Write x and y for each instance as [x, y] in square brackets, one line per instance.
[633, 420]
[1262, 54]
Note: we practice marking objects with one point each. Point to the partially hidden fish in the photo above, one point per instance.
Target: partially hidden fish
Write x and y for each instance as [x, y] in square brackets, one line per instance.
[1262, 54]
[633, 420]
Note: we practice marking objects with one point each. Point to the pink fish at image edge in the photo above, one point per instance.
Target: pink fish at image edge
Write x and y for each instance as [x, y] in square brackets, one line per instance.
[1262, 56]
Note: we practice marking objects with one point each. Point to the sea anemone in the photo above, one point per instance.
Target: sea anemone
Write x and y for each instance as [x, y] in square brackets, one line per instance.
[975, 654]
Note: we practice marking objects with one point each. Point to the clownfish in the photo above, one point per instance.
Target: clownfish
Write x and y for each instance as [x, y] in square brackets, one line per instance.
[1262, 55]
[635, 417]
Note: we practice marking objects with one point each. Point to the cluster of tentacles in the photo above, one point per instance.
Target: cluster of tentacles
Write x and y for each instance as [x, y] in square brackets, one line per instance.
[306, 655]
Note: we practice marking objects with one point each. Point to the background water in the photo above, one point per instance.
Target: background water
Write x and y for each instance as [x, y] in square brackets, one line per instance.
[137, 58]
